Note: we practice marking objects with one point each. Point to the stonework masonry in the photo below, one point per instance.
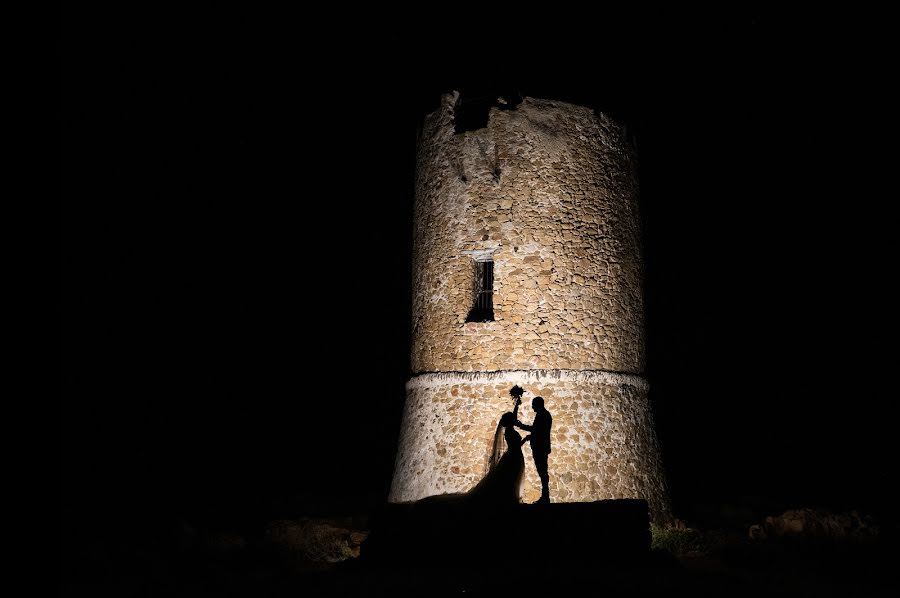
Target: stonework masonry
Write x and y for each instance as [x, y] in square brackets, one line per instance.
[548, 191]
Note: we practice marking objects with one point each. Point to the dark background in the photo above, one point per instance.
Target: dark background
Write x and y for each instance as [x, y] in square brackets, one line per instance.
[235, 221]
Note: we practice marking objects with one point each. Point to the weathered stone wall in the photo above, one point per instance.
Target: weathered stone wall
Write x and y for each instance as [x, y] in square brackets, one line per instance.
[551, 188]
[603, 440]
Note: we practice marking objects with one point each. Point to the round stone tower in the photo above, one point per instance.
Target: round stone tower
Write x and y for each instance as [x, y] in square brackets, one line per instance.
[527, 270]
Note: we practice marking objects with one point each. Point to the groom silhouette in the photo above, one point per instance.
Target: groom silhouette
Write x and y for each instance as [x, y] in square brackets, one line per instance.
[540, 443]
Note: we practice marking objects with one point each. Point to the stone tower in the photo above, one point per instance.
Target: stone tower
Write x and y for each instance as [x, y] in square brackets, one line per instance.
[527, 270]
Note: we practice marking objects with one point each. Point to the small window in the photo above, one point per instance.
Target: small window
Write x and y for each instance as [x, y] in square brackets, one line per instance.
[483, 304]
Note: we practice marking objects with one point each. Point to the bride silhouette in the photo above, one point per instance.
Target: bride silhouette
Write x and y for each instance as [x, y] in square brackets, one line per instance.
[505, 466]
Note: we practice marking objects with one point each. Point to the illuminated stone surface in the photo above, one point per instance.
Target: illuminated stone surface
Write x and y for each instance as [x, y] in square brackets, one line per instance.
[550, 188]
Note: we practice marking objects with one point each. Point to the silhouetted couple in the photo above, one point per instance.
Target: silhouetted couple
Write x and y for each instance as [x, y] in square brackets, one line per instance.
[506, 463]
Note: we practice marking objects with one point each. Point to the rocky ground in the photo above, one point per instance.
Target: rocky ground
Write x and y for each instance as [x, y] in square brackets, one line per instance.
[306, 556]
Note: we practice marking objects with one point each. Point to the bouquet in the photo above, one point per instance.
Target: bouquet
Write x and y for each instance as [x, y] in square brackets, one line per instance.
[516, 393]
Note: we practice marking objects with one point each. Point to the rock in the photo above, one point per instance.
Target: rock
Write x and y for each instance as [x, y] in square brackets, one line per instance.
[810, 523]
[757, 532]
[312, 540]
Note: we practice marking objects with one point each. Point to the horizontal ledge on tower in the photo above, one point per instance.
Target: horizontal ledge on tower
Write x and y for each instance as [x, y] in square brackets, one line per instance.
[435, 379]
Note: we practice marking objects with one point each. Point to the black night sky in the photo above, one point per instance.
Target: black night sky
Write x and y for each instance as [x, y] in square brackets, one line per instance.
[235, 221]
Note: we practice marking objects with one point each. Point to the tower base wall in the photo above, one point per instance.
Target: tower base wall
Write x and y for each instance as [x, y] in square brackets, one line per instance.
[603, 439]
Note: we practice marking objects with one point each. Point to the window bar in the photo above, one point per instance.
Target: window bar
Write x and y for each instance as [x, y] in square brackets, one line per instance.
[489, 291]
[479, 269]
[481, 300]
